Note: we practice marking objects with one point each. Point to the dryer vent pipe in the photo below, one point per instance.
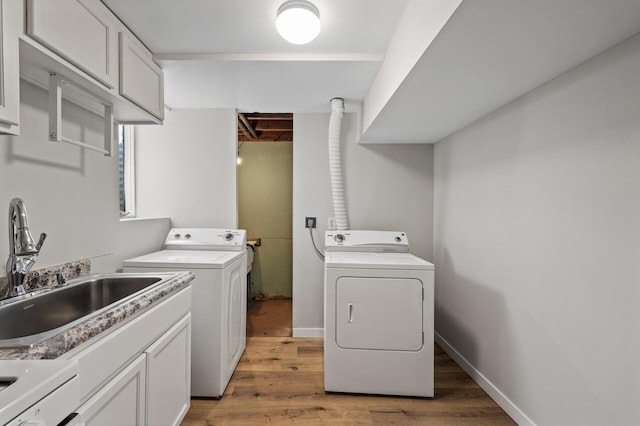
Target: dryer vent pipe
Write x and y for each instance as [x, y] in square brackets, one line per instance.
[335, 164]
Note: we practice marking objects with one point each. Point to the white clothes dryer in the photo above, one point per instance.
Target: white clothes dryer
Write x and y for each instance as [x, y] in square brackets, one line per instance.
[378, 325]
[217, 258]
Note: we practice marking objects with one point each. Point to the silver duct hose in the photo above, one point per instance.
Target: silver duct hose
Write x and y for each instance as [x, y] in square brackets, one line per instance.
[335, 164]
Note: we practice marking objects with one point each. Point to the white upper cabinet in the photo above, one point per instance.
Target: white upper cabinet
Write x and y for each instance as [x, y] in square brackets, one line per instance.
[9, 72]
[141, 79]
[82, 31]
[85, 44]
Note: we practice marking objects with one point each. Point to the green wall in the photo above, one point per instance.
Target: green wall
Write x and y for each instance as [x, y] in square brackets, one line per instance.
[265, 182]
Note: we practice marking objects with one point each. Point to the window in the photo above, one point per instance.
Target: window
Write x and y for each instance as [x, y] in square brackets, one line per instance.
[126, 170]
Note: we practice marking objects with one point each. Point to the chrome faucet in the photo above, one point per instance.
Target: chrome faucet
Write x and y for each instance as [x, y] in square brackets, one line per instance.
[22, 251]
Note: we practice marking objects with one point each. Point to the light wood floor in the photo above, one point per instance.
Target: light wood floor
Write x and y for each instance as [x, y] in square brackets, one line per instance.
[279, 381]
[269, 318]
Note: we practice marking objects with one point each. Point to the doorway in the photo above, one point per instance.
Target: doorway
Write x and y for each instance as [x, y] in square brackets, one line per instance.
[265, 191]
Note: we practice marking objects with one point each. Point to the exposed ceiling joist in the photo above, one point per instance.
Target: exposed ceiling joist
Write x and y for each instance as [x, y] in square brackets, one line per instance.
[245, 132]
[268, 116]
[265, 127]
[274, 126]
[247, 125]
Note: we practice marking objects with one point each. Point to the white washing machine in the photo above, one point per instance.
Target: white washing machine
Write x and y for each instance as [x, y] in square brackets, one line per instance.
[378, 325]
[218, 259]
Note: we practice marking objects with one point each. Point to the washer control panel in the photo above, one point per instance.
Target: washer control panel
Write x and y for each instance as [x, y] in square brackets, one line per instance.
[206, 239]
[367, 241]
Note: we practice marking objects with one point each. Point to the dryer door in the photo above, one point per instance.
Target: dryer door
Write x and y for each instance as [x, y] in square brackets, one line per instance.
[379, 313]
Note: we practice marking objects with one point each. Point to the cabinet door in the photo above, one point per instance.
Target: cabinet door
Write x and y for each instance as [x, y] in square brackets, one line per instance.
[82, 31]
[169, 375]
[119, 402]
[141, 79]
[9, 74]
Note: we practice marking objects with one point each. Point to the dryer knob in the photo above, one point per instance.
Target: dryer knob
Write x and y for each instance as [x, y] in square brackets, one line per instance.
[176, 236]
[398, 239]
[339, 238]
[228, 236]
[187, 236]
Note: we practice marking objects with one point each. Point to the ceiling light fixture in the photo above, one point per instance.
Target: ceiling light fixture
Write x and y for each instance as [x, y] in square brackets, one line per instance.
[298, 21]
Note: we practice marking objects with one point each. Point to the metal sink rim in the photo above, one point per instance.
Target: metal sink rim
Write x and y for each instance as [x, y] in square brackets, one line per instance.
[33, 339]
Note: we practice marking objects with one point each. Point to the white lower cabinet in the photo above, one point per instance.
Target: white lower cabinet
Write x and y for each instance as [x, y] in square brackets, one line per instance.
[153, 390]
[121, 401]
[139, 374]
[169, 376]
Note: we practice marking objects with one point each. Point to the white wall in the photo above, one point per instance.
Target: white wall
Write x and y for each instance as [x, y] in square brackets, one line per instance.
[140, 236]
[387, 188]
[537, 246]
[420, 24]
[70, 193]
[186, 169]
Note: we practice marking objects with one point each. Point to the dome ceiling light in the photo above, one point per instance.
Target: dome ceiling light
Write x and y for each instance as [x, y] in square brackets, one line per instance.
[298, 21]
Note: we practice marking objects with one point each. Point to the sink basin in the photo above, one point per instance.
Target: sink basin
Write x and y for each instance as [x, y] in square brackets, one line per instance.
[5, 382]
[32, 319]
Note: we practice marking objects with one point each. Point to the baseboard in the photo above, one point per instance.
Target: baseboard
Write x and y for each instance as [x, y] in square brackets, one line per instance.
[501, 399]
[308, 332]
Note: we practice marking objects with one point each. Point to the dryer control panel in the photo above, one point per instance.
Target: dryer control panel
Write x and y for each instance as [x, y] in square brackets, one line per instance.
[367, 241]
[206, 239]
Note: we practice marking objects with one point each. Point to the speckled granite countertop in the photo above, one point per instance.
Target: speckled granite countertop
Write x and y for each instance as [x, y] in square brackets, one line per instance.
[45, 277]
[80, 333]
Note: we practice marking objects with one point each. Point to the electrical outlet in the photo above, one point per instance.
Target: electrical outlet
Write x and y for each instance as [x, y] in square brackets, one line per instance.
[309, 222]
[331, 223]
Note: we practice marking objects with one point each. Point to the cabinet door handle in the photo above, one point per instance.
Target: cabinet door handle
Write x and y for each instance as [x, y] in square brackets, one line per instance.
[349, 312]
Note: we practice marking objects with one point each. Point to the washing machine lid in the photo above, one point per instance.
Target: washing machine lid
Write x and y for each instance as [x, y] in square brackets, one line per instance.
[206, 239]
[368, 260]
[201, 259]
[367, 241]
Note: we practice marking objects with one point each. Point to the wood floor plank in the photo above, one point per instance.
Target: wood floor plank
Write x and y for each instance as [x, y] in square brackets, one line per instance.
[269, 318]
[279, 380]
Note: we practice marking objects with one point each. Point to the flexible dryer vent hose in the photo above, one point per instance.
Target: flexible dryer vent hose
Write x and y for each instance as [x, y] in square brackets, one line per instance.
[335, 164]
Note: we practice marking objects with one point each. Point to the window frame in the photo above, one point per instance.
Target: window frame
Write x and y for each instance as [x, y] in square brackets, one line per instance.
[126, 140]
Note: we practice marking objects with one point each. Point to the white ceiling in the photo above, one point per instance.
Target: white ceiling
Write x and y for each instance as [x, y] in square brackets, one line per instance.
[267, 74]
[493, 51]
[227, 54]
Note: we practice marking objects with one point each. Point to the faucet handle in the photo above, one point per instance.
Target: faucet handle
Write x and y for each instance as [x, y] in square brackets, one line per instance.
[43, 236]
[61, 278]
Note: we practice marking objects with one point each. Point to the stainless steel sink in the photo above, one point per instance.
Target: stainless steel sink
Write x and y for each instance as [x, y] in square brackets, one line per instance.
[5, 382]
[42, 315]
